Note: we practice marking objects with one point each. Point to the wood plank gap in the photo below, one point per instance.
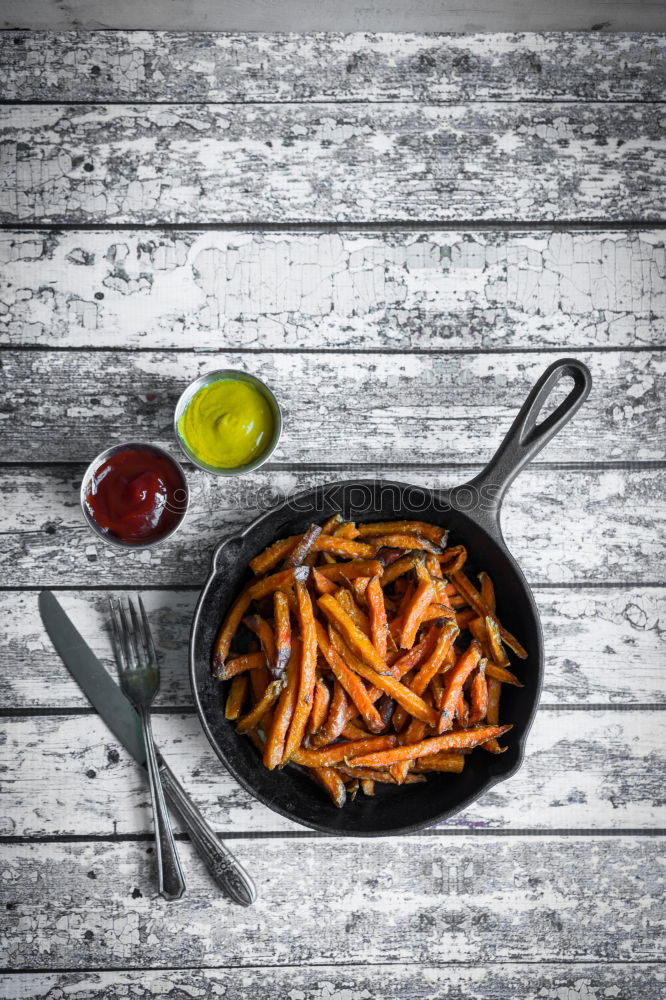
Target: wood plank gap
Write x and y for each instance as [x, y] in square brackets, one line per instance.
[442, 832]
[364, 352]
[328, 226]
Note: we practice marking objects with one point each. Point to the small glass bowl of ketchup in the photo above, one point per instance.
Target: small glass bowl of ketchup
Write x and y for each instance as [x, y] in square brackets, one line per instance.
[134, 495]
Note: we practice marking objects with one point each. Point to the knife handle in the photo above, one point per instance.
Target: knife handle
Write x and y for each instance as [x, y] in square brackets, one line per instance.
[223, 866]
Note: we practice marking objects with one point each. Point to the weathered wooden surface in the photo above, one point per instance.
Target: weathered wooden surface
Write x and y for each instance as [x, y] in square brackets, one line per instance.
[604, 646]
[424, 290]
[346, 15]
[170, 66]
[417, 408]
[283, 163]
[343, 982]
[407, 899]
[564, 527]
[600, 770]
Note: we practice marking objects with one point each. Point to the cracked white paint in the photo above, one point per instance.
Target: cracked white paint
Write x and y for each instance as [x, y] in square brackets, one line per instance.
[429, 290]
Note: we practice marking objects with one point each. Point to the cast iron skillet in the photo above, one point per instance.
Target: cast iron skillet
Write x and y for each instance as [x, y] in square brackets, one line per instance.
[471, 512]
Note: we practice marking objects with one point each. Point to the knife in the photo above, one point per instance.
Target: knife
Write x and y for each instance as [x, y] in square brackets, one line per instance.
[122, 719]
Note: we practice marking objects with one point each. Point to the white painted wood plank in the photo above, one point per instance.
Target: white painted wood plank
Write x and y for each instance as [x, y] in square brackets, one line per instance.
[563, 526]
[67, 776]
[189, 66]
[373, 290]
[603, 646]
[68, 406]
[347, 15]
[343, 982]
[428, 899]
[284, 163]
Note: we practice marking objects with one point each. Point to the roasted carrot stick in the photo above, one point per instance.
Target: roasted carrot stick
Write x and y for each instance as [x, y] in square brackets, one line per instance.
[400, 566]
[344, 571]
[343, 547]
[301, 550]
[445, 761]
[478, 695]
[404, 540]
[254, 717]
[239, 664]
[374, 595]
[228, 630]
[277, 733]
[321, 700]
[236, 697]
[423, 596]
[473, 597]
[379, 528]
[264, 634]
[341, 711]
[329, 778]
[282, 633]
[308, 666]
[341, 751]
[269, 584]
[434, 744]
[492, 714]
[273, 555]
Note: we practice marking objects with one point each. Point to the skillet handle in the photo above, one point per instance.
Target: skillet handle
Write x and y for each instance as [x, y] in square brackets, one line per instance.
[526, 438]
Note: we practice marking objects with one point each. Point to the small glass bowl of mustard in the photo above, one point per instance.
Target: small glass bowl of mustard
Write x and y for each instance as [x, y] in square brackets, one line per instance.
[228, 422]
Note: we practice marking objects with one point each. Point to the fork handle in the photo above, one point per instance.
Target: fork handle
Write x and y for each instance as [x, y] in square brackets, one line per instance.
[169, 872]
[223, 866]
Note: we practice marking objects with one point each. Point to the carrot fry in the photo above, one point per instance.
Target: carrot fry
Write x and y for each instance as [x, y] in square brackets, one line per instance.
[434, 744]
[236, 696]
[344, 571]
[354, 732]
[389, 685]
[282, 716]
[282, 633]
[502, 675]
[478, 694]
[322, 583]
[492, 714]
[340, 712]
[379, 528]
[406, 541]
[367, 786]
[343, 547]
[403, 565]
[423, 596]
[497, 652]
[377, 613]
[487, 591]
[228, 630]
[345, 599]
[273, 555]
[301, 550]
[350, 681]
[321, 700]
[308, 666]
[346, 530]
[453, 559]
[341, 751]
[453, 762]
[253, 718]
[333, 522]
[333, 783]
[454, 681]
[239, 664]
[264, 634]
[352, 635]
[269, 584]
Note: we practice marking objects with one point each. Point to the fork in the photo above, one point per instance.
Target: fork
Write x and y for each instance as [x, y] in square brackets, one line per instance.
[139, 673]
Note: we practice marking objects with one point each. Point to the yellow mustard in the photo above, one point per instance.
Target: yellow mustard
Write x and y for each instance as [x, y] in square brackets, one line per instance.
[227, 424]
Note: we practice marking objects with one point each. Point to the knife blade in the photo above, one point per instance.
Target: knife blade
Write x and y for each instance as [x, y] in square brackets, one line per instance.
[122, 719]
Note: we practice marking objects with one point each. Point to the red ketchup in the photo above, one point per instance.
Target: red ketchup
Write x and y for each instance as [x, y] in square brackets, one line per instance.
[137, 496]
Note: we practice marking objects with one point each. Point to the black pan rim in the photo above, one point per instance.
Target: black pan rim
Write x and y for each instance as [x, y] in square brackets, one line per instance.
[493, 780]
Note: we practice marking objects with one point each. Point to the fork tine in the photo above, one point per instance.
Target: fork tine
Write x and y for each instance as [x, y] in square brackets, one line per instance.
[118, 646]
[148, 635]
[129, 640]
[137, 631]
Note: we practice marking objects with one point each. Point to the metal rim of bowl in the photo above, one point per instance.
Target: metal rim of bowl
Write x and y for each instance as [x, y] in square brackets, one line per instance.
[220, 375]
[119, 543]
